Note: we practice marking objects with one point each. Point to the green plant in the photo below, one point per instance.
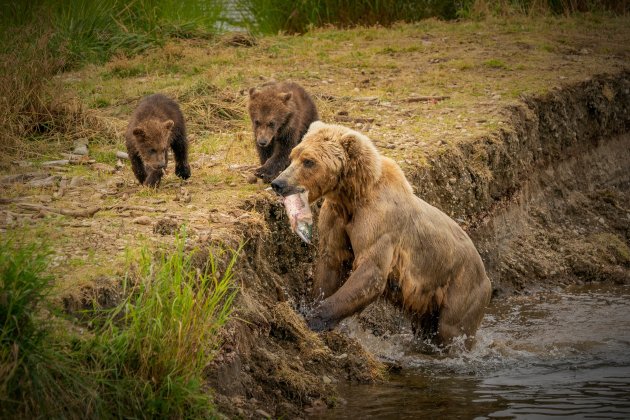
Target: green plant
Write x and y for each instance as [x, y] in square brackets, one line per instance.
[155, 345]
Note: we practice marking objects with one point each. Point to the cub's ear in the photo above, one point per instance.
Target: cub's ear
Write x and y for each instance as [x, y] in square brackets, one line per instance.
[169, 124]
[253, 92]
[285, 96]
[139, 133]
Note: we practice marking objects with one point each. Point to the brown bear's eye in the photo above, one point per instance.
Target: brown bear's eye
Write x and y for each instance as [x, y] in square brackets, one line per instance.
[308, 163]
[271, 124]
[257, 122]
[153, 151]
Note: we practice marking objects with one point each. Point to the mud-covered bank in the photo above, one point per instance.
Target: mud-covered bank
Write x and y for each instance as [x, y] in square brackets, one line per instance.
[545, 199]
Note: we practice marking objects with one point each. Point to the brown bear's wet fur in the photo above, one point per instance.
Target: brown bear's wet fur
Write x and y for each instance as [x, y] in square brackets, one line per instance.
[157, 124]
[280, 113]
[399, 245]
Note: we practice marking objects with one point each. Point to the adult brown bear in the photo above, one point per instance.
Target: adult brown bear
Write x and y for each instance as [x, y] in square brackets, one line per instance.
[281, 113]
[398, 245]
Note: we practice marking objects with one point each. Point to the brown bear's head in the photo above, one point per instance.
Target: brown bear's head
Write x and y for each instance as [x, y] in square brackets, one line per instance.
[331, 159]
[152, 139]
[269, 110]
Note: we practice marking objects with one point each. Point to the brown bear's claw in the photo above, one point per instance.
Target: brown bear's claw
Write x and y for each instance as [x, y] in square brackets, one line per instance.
[319, 324]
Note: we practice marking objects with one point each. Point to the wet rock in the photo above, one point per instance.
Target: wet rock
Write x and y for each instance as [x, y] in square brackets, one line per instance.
[80, 149]
[122, 155]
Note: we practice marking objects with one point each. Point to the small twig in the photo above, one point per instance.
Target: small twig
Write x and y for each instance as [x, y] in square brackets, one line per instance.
[345, 118]
[89, 212]
[122, 207]
[56, 162]
[426, 98]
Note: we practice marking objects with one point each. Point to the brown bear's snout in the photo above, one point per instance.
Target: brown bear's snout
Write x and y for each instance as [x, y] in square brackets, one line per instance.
[279, 185]
[263, 141]
[282, 187]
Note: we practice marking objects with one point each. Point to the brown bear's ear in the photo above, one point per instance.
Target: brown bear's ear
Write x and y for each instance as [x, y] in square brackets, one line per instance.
[253, 92]
[139, 133]
[350, 144]
[284, 97]
[169, 124]
[364, 163]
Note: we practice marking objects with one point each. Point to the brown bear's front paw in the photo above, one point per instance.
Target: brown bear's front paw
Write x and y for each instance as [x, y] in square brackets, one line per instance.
[182, 171]
[319, 323]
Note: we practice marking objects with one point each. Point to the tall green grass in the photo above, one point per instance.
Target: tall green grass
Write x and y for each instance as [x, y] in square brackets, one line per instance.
[85, 31]
[158, 342]
[144, 358]
[41, 38]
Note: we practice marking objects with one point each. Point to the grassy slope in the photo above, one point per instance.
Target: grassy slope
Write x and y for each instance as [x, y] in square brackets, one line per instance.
[367, 72]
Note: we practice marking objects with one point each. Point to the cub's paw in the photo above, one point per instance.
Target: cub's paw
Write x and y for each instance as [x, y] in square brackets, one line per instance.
[265, 174]
[182, 171]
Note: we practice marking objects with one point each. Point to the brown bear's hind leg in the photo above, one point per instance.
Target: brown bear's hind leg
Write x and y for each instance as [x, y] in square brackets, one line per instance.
[464, 311]
[425, 326]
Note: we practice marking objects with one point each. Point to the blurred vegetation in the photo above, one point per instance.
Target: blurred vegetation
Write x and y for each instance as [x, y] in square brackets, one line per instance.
[41, 38]
[272, 16]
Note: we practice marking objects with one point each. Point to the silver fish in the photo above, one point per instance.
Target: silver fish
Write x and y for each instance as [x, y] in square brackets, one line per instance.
[300, 215]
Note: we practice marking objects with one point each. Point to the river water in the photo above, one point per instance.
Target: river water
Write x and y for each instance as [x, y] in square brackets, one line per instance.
[555, 355]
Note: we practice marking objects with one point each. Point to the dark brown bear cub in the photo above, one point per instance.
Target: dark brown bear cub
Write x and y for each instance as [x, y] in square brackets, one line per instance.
[281, 114]
[157, 124]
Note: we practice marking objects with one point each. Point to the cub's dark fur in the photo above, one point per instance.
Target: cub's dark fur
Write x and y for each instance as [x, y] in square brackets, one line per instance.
[157, 124]
[281, 113]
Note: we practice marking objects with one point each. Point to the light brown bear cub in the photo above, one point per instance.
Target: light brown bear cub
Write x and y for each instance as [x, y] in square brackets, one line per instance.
[157, 124]
[281, 113]
[397, 244]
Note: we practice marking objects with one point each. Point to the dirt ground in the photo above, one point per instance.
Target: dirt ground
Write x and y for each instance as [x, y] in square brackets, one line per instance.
[497, 122]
